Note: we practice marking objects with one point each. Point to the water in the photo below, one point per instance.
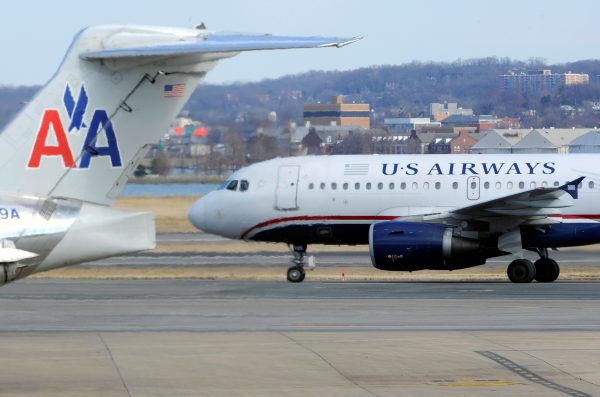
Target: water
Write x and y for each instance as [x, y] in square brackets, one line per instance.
[168, 189]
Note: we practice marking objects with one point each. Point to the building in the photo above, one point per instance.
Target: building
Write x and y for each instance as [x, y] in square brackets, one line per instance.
[540, 80]
[439, 111]
[478, 123]
[396, 144]
[534, 142]
[492, 143]
[439, 146]
[338, 113]
[509, 122]
[462, 143]
[586, 143]
[559, 137]
[410, 123]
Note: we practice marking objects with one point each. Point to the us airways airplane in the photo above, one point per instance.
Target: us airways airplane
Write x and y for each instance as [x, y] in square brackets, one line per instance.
[68, 153]
[415, 212]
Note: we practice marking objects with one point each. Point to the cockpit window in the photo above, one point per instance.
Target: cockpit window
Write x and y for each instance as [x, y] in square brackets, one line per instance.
[232, 185]
[244, 185]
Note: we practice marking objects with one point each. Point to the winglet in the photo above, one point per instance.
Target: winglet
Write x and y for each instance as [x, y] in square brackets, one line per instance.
[571, 187]
[343, 43]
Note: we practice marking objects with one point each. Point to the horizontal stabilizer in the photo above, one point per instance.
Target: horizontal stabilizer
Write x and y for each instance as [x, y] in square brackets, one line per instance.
[218, 43]
[86, 131]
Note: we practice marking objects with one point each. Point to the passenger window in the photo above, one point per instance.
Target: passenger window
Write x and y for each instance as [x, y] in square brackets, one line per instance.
[473, 185]
[498, 185]
[333, 186]
[311, 186]
[368, 185]
[403, 186]
[232, 185]
[591, 184]
[415, 185]
[544, 184]
[345, 186]
[322, 185]
[486, 185]
[521, 185]
[392, 186]
[556, 183]
[454, 185]
[509, 185]
[426, 186]
[380, 186]
[356, 186]
[438, 186]
[532, 185]
[244, 185]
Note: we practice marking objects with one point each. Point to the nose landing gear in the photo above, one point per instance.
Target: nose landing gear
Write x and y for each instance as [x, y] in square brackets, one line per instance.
[296, 274]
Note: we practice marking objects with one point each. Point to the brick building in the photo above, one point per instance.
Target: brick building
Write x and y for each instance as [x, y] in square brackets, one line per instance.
[338, 113]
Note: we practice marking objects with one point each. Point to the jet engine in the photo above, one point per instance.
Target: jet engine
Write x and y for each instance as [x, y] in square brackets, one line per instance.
[416, 246]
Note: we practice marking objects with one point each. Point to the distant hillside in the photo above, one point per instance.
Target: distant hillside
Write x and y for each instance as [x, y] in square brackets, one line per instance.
[404, 90]
[393, 91]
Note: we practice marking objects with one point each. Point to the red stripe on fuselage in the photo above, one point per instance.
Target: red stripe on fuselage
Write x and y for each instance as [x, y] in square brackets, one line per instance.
[582, 216]
[317, 218]
[276, 221]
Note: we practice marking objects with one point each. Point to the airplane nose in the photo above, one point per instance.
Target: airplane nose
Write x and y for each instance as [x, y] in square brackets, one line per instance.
[197, 214]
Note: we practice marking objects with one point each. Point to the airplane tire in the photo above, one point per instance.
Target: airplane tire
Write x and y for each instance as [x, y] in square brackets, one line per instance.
[546, 270]
[521, 271]
[295, 274]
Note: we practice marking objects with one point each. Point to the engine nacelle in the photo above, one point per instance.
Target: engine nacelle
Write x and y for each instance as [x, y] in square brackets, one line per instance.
[416, 246]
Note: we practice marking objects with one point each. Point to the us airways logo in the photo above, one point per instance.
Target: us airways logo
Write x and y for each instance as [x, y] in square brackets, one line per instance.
[506, 168]
[52, 140]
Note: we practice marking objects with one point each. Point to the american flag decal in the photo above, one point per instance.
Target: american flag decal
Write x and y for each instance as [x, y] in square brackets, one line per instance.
[174, 90]
[356, 169]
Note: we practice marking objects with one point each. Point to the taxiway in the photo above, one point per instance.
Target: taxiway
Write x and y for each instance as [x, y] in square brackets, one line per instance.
[218, 338]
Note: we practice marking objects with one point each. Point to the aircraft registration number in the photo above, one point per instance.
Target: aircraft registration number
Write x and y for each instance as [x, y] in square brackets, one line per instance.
[9, 213]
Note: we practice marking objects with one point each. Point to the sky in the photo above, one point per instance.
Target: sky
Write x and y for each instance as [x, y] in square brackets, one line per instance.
[35, 35]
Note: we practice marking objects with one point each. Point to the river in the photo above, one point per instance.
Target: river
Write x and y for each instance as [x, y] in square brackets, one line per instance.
[168, 189]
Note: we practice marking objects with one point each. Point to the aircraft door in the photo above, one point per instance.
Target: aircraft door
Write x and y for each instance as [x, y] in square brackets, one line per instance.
[287, 188]
[473, 188]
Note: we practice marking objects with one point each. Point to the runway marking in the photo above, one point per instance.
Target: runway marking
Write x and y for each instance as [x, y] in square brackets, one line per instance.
[473, 383]
[531, 376]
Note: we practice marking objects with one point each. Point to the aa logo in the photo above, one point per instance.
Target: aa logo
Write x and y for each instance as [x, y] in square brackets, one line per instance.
[52, 141]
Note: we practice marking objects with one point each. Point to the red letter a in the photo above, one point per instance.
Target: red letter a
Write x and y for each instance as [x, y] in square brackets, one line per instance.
[51, 119]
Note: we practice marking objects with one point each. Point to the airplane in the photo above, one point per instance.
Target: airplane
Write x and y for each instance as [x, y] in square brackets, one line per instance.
[66, 156]
[415, 212]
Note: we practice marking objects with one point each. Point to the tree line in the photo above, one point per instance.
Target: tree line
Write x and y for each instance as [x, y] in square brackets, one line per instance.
[392, 90]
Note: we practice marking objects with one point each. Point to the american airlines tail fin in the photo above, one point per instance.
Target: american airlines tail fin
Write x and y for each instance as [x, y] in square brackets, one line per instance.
[114, 95]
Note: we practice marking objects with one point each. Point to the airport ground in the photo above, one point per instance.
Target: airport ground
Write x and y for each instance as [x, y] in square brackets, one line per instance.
[204, 316]
[265, 338]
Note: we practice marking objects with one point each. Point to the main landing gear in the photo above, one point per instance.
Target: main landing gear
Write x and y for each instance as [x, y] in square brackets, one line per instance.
[296, 274]
[544, 270]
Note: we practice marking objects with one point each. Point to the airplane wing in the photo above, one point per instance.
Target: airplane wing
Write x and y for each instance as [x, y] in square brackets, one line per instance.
[529, 207]
[217, 43]
[504, 216]
[534, 203]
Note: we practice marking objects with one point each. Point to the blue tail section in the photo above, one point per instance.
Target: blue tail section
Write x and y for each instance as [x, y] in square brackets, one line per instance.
[571, 187]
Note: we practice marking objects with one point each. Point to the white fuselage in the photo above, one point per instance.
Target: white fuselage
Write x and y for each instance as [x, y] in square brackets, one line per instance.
[355, 190]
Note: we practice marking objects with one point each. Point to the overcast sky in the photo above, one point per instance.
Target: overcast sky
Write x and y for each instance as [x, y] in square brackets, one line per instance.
[34, 35]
